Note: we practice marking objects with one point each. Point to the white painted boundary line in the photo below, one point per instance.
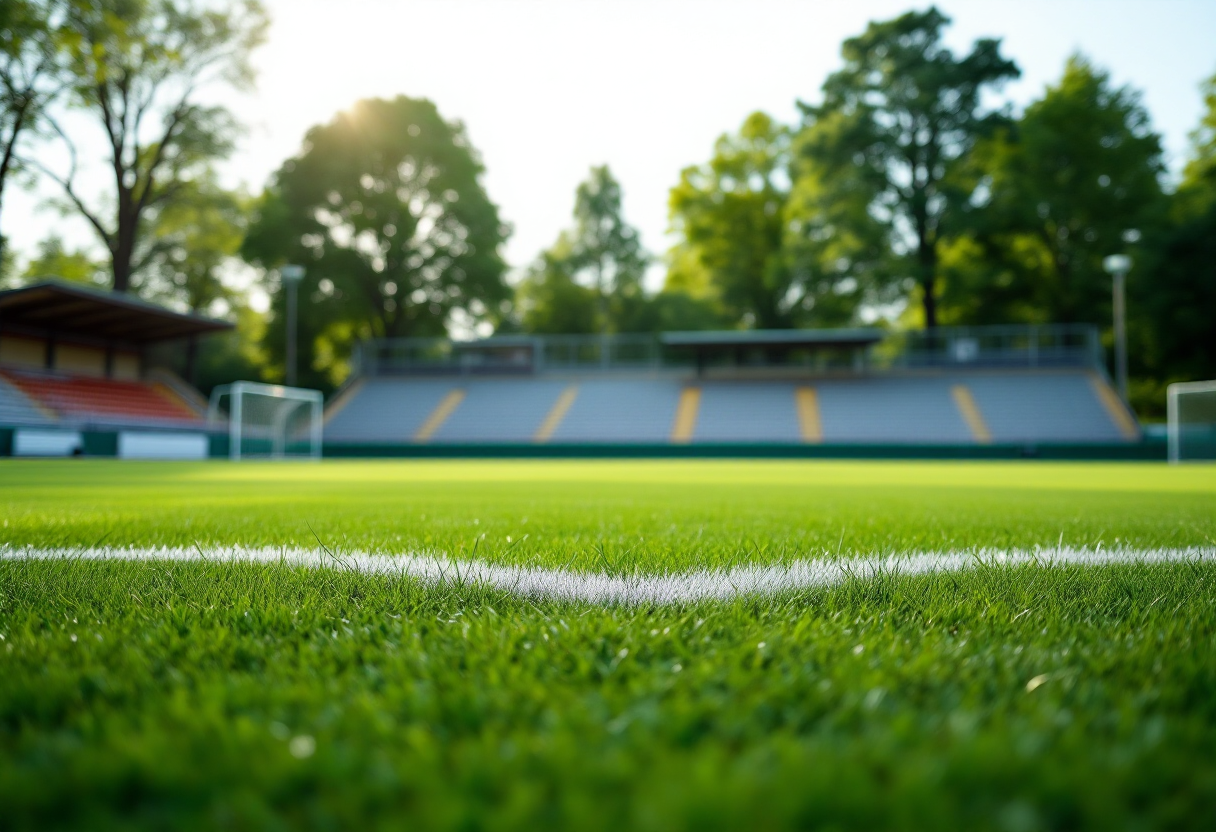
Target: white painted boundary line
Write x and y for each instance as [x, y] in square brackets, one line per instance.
[640, 588]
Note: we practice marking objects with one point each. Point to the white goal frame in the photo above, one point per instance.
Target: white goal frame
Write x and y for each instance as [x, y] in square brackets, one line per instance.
[1173, 428]
[237, 392]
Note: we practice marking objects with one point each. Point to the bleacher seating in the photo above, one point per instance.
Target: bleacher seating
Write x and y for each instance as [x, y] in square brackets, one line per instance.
[901, 410]
[102, 401]
[17, 409]
[1044, 407]
[500, 410]
[921, 407]
[747, 412]
[386, 410]
[620, 410]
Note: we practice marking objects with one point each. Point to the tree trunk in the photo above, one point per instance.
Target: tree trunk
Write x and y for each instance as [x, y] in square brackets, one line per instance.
[122, 270]
[926, 255]
[929, 300]
[123, 252]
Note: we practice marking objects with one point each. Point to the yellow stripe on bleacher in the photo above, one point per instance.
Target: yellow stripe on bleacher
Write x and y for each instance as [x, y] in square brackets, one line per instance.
[344, 398]
[556, 414]
[686, 415]
[439, 415]
[970, 412]
[1118, 411]
[808, 415]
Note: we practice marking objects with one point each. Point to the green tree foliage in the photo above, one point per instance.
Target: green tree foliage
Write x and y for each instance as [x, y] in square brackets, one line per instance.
[730, 217]
[840, 253]
[1197, 191]
[1057, 191]
[31, 53]
[901, 114]
[54, 259]
[1174, 304]
[136, 68]
[591, 279]
[191, 242]
[386, 210]
[551, 302]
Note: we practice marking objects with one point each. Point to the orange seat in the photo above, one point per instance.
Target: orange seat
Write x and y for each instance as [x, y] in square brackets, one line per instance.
[81, 397]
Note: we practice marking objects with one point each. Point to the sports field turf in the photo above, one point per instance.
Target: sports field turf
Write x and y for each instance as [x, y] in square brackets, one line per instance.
[204, 693]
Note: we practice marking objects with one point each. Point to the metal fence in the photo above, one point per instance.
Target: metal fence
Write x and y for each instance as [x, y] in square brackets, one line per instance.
[1054, 345]
[1059, 345]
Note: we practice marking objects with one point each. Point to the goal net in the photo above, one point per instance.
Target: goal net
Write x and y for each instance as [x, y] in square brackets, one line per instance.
[1191, 407]
[268, 421]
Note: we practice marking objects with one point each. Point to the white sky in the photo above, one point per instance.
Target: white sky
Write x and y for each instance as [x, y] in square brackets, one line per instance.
[549, 88]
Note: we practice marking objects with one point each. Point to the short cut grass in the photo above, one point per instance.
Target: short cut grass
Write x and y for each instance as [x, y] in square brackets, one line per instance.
[195, 695]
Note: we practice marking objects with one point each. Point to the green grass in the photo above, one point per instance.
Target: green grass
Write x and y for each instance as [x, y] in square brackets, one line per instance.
[194, 695]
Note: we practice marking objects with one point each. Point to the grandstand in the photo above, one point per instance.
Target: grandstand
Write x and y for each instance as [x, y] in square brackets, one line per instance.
[77, 376]
[1022, 388]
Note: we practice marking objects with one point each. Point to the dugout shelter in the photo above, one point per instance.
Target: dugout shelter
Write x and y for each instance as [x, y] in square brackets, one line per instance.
[79, 374]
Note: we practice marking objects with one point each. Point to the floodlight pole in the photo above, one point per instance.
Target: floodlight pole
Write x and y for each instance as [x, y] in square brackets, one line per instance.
[291, 277]
[1119, 265]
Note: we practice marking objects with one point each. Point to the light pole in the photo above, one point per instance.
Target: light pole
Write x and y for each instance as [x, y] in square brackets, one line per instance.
[291, 277]
[1119, 265]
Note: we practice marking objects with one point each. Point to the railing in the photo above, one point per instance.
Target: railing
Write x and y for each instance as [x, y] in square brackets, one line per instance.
[1059, 345]
[1047, 345]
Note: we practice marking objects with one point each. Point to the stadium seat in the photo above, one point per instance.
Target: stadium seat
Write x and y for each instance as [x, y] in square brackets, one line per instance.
[87, 399]
[907, 408]
[17, 409]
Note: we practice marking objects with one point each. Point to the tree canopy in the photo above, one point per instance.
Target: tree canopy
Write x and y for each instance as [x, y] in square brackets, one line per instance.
[31, 64]
[1056, 193]
[730, 217]
[905, 111]
[136, 68]
[591, 278]
[385, 208]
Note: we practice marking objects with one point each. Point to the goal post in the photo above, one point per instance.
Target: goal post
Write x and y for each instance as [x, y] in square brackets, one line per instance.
[268, 421]
[1191, 410]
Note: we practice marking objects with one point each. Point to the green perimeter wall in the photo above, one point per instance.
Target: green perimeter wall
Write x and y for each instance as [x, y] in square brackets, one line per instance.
[1145, 450]
[105, 443]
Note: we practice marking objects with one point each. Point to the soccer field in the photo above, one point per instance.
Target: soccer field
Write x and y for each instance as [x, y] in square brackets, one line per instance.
[607, 645]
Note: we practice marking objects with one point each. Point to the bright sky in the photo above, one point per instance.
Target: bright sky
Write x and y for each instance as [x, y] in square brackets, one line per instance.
[548, 88]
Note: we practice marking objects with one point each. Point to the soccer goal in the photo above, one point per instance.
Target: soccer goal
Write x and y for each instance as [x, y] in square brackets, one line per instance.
[268, 421]
[1191, 407]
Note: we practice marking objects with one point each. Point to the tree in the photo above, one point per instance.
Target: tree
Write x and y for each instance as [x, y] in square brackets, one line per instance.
[386, 210]
[730, 216]
[136, 67]
[191, 241]
[56, 260]
[905, 110]
[1056, 193]
[591, 279]
[1197, 190]
[552, 302]
[840, 254]
[30, 77]
[605, 251]
[1174, 295]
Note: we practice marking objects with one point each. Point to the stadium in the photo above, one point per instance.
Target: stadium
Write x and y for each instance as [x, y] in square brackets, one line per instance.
[883, 499]
[79, 375]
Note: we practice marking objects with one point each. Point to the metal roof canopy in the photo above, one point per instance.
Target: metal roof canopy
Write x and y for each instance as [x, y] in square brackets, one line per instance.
[65, 309]
[858, 337]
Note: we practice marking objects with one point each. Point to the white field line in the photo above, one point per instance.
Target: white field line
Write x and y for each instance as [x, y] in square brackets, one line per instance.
[638, 588]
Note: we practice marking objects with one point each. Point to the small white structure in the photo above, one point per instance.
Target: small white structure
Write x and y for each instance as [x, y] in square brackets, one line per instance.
[139, 444]
[268, 421]
[41, 442]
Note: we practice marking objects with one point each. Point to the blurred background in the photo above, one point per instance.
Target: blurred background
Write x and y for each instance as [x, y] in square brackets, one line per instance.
[473, 168]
